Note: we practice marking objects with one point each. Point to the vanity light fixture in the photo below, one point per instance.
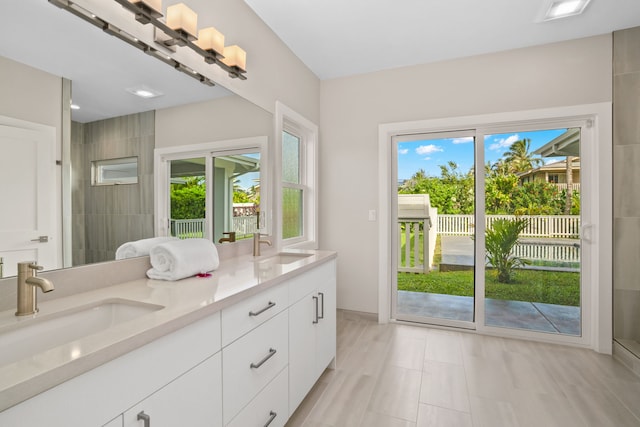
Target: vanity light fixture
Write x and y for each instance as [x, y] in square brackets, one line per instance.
[179, 29]
[75, 107]
[565, 8]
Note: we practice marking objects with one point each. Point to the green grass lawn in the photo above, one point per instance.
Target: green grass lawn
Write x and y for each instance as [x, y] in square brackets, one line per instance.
[549, 287]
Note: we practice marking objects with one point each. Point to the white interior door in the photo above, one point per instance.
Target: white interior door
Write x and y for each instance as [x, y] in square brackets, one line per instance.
[28, 216]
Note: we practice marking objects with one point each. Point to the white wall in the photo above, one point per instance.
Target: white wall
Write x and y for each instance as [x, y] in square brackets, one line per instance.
[30, 94]
[226, 118]
[273, 71]
[351, 108]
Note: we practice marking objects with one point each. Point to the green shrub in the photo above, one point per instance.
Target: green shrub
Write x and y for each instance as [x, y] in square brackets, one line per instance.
[499, 242]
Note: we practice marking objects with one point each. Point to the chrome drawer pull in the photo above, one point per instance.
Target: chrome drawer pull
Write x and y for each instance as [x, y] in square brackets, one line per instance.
[317, 317]
[144, 417]
[259, 312]
[272, 352]
[321, 306]
[272, 416]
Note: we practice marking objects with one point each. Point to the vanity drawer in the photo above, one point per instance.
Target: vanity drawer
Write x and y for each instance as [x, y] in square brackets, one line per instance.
[270, 405]
[251, 362]
[246, 315]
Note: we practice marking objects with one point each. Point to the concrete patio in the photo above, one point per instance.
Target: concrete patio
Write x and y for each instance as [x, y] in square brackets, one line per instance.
[551, 318]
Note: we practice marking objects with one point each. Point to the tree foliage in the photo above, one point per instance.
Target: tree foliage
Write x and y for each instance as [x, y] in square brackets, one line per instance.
[188, 199]
[453, 191]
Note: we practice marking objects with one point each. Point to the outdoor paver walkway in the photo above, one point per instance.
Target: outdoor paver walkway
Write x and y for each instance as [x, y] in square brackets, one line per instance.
[502, 313]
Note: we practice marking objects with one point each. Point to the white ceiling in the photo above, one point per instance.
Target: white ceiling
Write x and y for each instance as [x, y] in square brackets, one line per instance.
[333, 37]
[336, 38]
[101, 67]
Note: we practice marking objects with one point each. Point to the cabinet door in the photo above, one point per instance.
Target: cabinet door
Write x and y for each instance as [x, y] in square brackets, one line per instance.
[302, 346]
[326, 327]
[193, 399]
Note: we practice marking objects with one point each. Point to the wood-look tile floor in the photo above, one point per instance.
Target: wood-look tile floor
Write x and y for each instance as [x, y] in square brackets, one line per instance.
[409, 376]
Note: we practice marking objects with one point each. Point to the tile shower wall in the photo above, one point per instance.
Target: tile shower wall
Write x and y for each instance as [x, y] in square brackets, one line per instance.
[104, 217]
[626, 209]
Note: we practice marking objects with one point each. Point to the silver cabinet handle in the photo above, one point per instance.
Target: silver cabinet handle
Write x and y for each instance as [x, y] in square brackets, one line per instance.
[321, 306]
[272, 416]
[262, 310]
[316, 320]
[41, 239]
[272, 352]
[145, 418]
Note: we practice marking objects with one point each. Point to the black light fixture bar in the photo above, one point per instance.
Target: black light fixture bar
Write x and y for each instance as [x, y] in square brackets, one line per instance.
[111, 29]
[145, 15]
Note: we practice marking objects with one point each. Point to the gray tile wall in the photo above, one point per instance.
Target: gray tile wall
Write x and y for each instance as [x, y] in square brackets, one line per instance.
[626, 200]
[107, 216]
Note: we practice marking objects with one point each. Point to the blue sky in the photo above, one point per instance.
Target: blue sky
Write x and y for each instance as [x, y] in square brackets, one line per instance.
[430, 154]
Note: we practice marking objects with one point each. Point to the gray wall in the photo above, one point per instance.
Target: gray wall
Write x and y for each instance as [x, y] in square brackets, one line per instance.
[626, 207]
[104, 217]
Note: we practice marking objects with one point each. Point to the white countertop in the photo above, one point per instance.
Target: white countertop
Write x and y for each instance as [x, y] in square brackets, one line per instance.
[184, 301]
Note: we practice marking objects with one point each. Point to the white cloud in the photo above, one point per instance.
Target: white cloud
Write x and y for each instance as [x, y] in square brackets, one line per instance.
[403, 150]
[427, 158]
[464, 140]
[428, 149]
[504, 142]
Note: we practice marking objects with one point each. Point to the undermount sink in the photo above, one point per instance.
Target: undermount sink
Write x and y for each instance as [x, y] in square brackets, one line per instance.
[32, 336]
[284, 258]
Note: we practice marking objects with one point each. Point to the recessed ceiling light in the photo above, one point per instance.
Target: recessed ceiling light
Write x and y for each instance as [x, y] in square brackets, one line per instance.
[565, 8]
[144, 92]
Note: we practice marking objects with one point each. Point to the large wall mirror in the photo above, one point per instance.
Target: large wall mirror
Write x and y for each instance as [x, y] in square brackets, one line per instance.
[112, 123]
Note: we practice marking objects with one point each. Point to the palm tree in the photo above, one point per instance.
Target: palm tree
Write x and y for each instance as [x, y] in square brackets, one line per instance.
[519, 158]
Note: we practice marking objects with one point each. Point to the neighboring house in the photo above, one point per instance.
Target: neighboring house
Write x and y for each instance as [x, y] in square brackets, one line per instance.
[555, 173]
[566, 145]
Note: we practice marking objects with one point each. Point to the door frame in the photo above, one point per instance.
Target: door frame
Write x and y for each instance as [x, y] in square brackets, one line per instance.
[598, 334]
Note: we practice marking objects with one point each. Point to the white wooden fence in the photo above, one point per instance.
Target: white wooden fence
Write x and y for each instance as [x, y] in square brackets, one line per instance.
[563, 251]
[565, 226]
[187, 228]
[192, 228]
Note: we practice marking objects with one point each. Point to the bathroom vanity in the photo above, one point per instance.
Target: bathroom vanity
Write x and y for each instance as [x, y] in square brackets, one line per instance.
[240, 348]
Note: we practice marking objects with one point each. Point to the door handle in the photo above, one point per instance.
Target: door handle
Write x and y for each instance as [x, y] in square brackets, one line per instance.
[146, 419]
[315, 298]
[321, 306]
[41, 239]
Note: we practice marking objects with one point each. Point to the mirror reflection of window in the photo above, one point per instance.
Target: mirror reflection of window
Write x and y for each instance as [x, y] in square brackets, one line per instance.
[236, 196]
[114, 171]
[188, 190]
[233, 186]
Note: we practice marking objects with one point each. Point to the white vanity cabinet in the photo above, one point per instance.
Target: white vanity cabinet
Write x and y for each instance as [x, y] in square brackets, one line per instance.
[99, 396]
[193, 399]
[250, 364]
[312, 329]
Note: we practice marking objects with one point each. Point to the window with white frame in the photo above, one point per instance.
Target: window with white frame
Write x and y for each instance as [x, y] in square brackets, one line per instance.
[297, 173]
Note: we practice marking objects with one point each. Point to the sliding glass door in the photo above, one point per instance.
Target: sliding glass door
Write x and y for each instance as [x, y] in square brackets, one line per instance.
[499, 244]
[532, 236]
[434, 202]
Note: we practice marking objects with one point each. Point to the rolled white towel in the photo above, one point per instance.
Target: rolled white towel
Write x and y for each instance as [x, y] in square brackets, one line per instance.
[140, 247]
[182, 258]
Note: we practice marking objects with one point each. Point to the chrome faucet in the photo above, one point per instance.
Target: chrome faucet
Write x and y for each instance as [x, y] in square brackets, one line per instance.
[256, 243]
[27, 282]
